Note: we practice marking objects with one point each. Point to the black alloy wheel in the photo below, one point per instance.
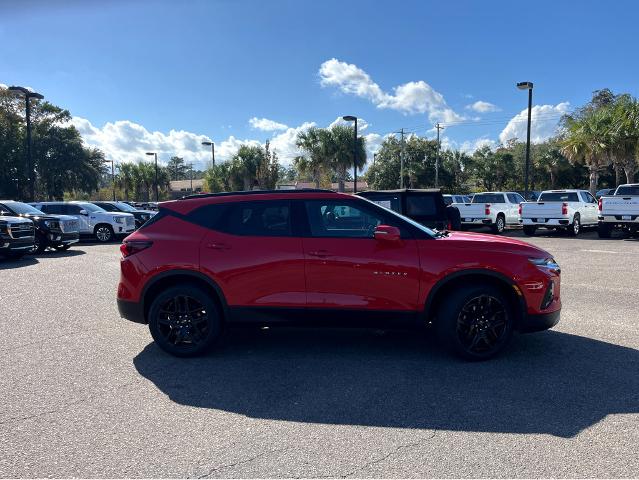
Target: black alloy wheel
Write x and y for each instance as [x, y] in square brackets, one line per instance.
[475, 323]
[184, 321]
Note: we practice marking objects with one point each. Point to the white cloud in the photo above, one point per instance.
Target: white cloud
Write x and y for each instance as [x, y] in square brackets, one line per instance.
[408, 98]
[266, 125]
[361, 123]
[3, 86]
[284, 143]
[467, 146]
[544, 121]
[483, 107]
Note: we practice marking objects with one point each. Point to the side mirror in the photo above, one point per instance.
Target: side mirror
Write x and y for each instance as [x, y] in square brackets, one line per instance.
[84, 212]
[386, 233]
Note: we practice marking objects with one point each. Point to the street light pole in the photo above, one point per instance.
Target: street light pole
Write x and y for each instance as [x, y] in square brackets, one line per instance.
[351, 118]
[527, 86]
[113, 178]
[212, 145]
[157, 196]
[28, 95]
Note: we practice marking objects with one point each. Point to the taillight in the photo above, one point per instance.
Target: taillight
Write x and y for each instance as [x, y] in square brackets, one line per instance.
[450, 225]
[487, 209]
[520, 209]
[134, 246]
[564, 209]
[600, 202]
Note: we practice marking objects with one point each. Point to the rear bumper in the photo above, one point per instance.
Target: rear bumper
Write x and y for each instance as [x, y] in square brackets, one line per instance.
[132, 311]
[476, 221]
[619, 219]
[538, 322]
[542, 222]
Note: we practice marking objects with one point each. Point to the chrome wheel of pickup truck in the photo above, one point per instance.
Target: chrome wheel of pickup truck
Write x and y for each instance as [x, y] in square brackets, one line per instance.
[575, 228]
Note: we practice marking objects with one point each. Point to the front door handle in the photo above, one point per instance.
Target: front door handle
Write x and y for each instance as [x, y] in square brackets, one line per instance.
[217, 246]
[319, 253]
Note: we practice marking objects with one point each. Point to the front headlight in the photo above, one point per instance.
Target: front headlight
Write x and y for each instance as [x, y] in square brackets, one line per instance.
[545, 264]
[4, 228]
[118, 219]
[52, 224]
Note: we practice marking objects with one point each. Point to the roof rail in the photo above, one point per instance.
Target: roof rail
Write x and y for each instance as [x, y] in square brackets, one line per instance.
[255, 192]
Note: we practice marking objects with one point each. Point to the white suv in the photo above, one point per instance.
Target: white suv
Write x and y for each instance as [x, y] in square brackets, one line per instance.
[93, 220]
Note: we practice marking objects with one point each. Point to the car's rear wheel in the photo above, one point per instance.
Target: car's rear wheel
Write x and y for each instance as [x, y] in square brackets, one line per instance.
[104, 233]
[475, 323]
[500, 224]
[529, 230]
[575, 228]
[39, 243]
[184, 321]
[604, 230]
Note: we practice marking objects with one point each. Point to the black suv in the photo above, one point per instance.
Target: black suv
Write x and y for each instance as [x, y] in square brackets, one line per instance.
[425, 206]
[141, 216]
[56, 231]
[16, 236]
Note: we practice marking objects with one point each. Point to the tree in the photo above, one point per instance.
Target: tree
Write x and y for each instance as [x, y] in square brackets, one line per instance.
[177, 168]
[315, 158]
[337, 147]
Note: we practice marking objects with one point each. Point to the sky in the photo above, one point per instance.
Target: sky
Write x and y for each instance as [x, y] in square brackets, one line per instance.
[151, 75]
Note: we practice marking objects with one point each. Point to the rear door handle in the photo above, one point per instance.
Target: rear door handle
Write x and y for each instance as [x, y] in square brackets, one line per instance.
[217, 246]
[319, 253]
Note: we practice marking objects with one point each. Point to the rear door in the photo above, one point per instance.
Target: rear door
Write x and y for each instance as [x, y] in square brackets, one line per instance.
[346, 268]
[253, 253]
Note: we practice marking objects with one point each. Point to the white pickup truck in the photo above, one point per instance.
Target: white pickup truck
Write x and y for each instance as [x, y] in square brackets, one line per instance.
[620, 210]
[92, 220]
[568, 210]
[494, 209]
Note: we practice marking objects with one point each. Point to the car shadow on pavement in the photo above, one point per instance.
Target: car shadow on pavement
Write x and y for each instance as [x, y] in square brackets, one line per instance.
[586, 234]
[61, 253]
[10, 263]
[549, 382]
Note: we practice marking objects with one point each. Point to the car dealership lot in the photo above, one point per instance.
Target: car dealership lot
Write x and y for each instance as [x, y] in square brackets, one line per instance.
[85, 393]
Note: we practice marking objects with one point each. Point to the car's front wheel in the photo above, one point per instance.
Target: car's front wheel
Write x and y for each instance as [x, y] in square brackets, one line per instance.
[475, 323]
[104, 233]
[184, 320]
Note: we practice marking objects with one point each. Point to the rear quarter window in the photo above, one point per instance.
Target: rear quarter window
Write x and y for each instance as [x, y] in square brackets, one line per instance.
[421, 206]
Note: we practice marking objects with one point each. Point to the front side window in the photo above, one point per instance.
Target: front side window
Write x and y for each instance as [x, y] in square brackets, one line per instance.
[260, 219]
[89, 207]
[341, 219]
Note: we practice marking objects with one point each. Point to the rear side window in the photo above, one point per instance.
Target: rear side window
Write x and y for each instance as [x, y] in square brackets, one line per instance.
[489, 198]
[559, 197]
[259, 219]
[421, 205]
[630, 190]
[588, 198]
[55, 209]
[392, 202]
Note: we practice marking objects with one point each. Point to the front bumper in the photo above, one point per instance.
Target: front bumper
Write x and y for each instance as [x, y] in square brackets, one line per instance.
[9, 245]
[59, 238]
[132, 311]
[538, 322]
[124, 229]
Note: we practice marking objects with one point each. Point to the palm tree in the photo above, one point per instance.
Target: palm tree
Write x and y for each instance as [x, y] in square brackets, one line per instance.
[585, 140]
[125, 179]
[314, 161]
[337, 144]
[624, 135]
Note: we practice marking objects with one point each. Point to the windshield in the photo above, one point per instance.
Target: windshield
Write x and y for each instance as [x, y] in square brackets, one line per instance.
[628, 190]
[89, 207]
[559, 197]
[124, 207]
[24, 209]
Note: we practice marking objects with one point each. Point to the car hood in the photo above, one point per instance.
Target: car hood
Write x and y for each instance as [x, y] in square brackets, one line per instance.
[494, 243]
[113, 214]
[47, 216]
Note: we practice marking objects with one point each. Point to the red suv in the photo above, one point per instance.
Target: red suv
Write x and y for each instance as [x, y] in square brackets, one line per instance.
[324, 258]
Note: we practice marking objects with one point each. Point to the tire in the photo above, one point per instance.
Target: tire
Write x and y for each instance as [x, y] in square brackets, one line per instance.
[40, 244]
[575, 228]
[103, 233]
[604, 230]
[454, 218]
[192, 334]
[529, 230]
[500, 224]
[477, 341]
[62, 248]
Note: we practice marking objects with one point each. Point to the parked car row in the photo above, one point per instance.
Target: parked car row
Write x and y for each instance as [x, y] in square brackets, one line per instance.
[569, 210]
[32, 228]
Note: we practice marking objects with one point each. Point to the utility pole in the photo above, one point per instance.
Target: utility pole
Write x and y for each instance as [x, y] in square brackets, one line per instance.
[113, 178]
[438, 127]
[401, 162]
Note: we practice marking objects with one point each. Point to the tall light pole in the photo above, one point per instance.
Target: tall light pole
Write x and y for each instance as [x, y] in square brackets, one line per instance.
[157, 196]
[212, 145]
[527, 86]
[28, 95]
[351, 118]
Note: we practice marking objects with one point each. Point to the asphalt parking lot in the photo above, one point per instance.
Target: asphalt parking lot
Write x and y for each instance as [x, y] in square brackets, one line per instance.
[85, 393]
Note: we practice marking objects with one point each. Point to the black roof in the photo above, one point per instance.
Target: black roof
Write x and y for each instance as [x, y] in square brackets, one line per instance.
[403, 190]
[255, 192]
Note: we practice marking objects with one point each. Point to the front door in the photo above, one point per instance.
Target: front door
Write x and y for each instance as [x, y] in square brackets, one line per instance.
[84, 221]
[346, 268]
